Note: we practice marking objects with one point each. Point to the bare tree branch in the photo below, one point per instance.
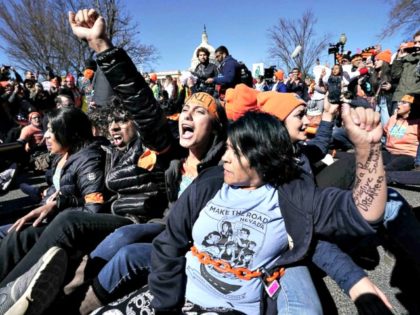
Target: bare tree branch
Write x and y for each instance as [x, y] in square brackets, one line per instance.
[37, 33]
[288, 34]
[404, 16]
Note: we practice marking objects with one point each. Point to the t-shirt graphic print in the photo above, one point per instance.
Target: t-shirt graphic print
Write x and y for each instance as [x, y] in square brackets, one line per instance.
[244, 228]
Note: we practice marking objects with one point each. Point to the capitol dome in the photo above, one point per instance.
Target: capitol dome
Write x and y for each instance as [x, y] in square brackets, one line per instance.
[205, 44]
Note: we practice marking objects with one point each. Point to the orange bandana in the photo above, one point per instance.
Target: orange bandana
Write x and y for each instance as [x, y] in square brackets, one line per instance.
[205, 100]
[408, 98]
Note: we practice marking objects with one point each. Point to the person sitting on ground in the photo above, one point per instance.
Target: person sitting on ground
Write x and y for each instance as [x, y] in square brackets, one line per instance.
[403, 134]
[78, 175]
[181, 265]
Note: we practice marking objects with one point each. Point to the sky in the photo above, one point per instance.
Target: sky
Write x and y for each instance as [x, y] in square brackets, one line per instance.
[174, 27]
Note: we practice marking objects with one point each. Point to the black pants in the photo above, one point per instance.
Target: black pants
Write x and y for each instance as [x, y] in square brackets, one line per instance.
[76, 232]
[341, 173]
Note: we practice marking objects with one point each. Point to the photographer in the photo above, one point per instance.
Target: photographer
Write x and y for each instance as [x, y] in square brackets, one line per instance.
[406, 69]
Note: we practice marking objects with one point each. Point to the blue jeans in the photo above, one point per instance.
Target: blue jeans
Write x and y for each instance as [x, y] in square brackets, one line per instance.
[382, 108]
[126, 235]
[401, 225]
[127, 252]
[298, 294]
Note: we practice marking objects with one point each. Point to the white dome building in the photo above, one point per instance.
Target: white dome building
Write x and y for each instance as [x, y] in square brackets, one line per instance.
[205, 44]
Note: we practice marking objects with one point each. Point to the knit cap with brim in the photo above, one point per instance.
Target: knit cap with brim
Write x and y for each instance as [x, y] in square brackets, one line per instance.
[384, 56]
[240, 100]
[279, 104]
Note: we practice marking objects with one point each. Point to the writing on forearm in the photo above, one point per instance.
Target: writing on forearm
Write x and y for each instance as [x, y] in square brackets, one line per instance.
[370, 179]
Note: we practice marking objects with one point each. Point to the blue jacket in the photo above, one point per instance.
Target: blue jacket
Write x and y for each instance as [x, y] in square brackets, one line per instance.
[229, 74]
[307, 210]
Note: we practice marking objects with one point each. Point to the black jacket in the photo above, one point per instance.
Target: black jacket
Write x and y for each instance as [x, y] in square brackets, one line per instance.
[140, 191]
[203, 72]
[81, 177]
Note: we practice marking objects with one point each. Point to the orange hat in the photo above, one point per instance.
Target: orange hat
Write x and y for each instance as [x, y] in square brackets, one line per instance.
[408, 98]
[407, 45]
[88, 74]
[153, 77]
[279, 75]
[384, 55]
[240, 100]
[279, 104]
[205, 100]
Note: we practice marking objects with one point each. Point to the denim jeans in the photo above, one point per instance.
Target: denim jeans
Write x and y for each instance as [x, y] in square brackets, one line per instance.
[126, 271]
[298, 294]
[126, 235]
[76, 232]
[127, 252]
[382, 108]
[401, 225]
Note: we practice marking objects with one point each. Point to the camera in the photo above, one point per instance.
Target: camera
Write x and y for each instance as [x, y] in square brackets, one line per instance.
[333, 49]
[412, 50]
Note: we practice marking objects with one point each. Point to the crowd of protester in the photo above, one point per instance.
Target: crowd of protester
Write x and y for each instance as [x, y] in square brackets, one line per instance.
[137, 214]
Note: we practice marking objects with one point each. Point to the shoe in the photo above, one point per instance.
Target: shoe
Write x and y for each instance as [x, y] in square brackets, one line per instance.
[7, 176]
[31, 191]
[35, 290]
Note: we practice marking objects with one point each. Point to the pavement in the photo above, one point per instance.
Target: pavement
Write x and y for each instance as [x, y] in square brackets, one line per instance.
[392, 272]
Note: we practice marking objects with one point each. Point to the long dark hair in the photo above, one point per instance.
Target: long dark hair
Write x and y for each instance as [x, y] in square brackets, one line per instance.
[264, 141]
[71, 128]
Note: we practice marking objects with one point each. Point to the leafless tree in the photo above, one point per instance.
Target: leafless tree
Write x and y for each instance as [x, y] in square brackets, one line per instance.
[37, 33]
[404, 16]
[288, 34]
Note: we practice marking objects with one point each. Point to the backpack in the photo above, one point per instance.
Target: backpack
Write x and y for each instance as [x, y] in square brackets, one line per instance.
[245, 75]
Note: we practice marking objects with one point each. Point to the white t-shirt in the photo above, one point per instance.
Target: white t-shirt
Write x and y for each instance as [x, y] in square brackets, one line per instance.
[244, 228]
